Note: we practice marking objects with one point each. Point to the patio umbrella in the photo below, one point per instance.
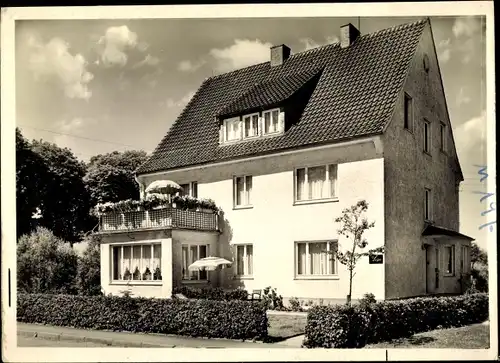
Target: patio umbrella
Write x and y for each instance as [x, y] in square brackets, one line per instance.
[209, 264]
[163, 187]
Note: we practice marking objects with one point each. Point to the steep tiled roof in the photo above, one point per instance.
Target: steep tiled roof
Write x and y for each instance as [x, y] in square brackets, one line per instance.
[355, 96]
[269, 92]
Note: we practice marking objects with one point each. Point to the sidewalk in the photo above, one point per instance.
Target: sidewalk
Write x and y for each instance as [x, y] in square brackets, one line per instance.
[137, 340]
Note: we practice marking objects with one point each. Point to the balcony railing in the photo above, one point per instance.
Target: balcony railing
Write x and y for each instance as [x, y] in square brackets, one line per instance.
[167, 217]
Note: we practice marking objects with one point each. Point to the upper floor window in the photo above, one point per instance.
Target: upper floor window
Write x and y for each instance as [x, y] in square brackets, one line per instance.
[190, 254]
[232, 129]
[251, 123]
[315, 183]
[242, 186]
[190, 189]
[315, 259]
[442, 144]
[427, 136]
[428, 204]
[408, 112]
[271, 121]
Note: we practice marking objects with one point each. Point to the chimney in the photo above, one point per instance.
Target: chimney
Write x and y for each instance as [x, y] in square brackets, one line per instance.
[279, 54]
[348, 35]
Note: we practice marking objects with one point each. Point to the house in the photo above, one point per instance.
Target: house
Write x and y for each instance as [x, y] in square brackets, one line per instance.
[282, 147]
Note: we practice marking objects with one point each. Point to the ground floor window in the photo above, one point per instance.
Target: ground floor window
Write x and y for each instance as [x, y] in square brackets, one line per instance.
[449, 260]
[244, 260]
[136, 262]
[465, 260]
[315, 258]
[190, 254]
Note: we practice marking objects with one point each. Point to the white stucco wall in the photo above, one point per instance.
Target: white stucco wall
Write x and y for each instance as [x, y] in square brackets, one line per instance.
[274, 223]
[138, 288]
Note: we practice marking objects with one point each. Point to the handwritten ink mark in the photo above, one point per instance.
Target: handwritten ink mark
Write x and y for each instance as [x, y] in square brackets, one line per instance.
[488, 224]
[482, 171]
[486, 195]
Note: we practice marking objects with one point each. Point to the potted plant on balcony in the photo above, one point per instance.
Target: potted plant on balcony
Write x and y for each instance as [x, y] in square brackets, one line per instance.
[147, 274]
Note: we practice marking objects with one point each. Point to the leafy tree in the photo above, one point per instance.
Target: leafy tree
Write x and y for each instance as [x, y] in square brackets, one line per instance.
[110, 177]
[65, 203]
[30, 174]
[88, 280]
[45, 263]
[353, 224]
[478, 255]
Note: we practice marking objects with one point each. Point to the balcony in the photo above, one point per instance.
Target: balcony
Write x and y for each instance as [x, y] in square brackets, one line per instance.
[159, 218]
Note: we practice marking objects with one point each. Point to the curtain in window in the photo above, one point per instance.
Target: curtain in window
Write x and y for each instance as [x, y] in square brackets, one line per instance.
[248, 130]
[250, 260]
[267, 123]
[127, 262]
[136, 263]
[156, 257]
[331, 258]
[316, 177]
[240, 260]
[117, 263]
[318, 258]
[185, 262]
[275, 121]
[255, 125]
[193, 256]
[147, 272]
[449, 259]
[240, 190]
[332, 175]
[301, 259]
[194, 191]
[301, 181]
[248, 189]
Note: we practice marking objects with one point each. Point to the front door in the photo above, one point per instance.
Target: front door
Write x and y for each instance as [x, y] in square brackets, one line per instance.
[436, 270]
[431, 269]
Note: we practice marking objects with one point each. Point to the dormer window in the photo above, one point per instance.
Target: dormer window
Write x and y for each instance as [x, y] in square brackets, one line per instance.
[232, 129]
[271, 121]
[251, 123]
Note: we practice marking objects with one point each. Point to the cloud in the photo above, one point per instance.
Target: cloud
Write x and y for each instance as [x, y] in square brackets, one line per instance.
[462, 98]
[470, 137]
[466, 26]
[171, 103]
[115, 42]
[188, 66]
[242, 53]
[74, 127]
[149, 60]
[53, 61]
[311, 44]
[444, 50]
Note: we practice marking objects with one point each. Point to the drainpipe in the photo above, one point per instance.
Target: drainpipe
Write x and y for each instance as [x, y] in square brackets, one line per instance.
[141, 187]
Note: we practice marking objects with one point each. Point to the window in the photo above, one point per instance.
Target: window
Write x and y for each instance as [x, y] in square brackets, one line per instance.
[232, 129]
[428, 205]
[427, 136]
[190, 254]
[313, 183]
[315, 258]
[251, 123]
[242, 191]
[190, 189]
[449, 260]
[465, 260]
[408, 112]
[244, 260]
[136, 262]
[442, 145]
[271, 121]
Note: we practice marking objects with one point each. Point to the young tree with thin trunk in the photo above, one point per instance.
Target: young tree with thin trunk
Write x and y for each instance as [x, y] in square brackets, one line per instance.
[353, 225]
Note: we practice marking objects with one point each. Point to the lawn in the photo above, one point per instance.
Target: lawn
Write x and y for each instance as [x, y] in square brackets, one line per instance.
[286, 326]
[476, 336]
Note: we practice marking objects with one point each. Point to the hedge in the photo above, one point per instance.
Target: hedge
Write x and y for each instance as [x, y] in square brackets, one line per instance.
[354, 326]
[197, 318]
[211, 293]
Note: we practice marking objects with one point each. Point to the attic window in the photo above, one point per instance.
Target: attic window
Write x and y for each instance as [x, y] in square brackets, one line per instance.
[271, 121]
[251, 124]
[232, 129]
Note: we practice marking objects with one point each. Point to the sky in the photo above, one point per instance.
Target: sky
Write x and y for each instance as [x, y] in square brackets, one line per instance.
[96, 86]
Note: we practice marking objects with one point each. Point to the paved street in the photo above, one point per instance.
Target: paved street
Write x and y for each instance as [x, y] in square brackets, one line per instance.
[24, 341]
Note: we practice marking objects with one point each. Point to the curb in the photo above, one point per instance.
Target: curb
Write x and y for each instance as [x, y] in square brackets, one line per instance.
[77, 338]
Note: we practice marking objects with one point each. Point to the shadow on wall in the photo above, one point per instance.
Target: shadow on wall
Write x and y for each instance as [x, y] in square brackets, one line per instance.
[226, 250]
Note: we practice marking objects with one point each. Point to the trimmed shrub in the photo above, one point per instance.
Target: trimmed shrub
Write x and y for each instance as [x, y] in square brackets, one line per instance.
[367, 299]
[197, 318]
[211, 293]
[343, 326]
